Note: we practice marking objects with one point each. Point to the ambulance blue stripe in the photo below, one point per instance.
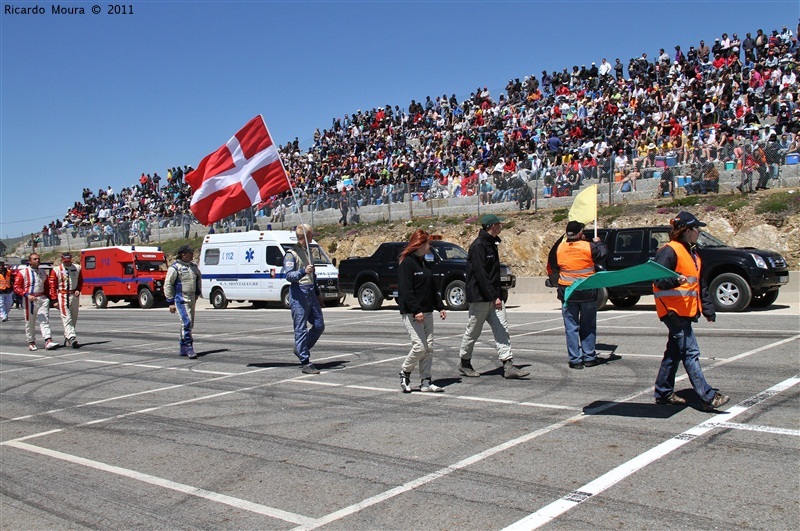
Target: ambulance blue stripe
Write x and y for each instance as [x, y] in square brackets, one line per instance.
[236, 276]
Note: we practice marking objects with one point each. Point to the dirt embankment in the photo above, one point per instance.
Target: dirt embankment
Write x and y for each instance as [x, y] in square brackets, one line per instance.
[527, 236]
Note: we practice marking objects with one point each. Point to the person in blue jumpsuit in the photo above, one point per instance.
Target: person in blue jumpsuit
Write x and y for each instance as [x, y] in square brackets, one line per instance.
[182, 288]
[303, 298]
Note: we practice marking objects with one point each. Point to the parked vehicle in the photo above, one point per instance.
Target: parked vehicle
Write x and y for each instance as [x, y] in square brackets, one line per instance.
[737, 277]
[248, 266]
[373, 279]
[129, 273]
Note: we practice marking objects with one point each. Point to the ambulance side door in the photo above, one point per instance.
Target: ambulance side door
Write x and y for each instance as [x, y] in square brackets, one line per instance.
[252, 265]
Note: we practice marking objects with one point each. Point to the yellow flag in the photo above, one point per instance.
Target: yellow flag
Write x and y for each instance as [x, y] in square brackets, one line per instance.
[584, 208]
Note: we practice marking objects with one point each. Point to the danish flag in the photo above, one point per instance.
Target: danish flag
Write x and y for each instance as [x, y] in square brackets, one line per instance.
[244, 172]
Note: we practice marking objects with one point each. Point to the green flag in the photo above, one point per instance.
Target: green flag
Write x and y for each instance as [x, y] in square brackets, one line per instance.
[606, 279]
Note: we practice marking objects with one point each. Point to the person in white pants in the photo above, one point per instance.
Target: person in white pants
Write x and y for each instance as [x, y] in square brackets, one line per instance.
[36, 287]
[68, 279]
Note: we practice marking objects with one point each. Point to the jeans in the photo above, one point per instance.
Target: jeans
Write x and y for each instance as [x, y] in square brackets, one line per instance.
[681, 346]
[580, 326]
[306, 309]
[421, 352]
[479, 313]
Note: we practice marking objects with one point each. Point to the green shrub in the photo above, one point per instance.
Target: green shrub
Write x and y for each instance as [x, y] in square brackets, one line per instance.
[779, 203]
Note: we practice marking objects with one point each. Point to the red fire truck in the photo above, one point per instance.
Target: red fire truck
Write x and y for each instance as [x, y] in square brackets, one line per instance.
[131, 273]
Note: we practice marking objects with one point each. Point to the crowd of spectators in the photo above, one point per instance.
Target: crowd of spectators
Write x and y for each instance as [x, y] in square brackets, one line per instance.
[702, 106]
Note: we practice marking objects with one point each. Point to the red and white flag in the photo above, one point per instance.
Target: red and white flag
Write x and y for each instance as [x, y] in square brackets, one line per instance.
[242, 173]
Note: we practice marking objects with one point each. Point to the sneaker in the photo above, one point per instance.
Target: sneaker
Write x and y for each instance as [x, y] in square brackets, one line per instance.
[405, 382]
[428, 387]
[190, 352]
[467, 370]
[718, 401]
[75, 343]
[310, 369]
[184, 351]
[32, 346]
[577, 366]
[672, 399]
[50, 344]
[510, 372]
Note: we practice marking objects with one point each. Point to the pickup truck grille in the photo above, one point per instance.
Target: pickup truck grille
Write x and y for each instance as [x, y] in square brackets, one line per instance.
[776, 262]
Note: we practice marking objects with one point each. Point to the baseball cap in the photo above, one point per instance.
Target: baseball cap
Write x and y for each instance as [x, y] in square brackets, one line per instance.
[184, 249]
[490, 219]
[574, 227]
[686, 219]
[67, 256]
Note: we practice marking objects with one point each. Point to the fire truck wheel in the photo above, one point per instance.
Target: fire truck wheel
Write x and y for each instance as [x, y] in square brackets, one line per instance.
[146, 298]
[99, 298]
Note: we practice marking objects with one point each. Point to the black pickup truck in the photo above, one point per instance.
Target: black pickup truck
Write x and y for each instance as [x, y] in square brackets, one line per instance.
[737, 277]
[374, 279]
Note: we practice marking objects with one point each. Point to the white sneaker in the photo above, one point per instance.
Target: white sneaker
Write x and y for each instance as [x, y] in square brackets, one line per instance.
[32, 346]
[50, 344]
[428, 387]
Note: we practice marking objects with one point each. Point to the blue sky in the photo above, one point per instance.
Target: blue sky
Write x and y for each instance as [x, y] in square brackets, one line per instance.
[95, 100]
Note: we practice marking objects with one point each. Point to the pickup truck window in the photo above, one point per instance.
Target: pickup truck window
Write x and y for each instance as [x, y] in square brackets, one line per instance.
[657, 240]
[705, 240]
[449, 251]
[629, 241]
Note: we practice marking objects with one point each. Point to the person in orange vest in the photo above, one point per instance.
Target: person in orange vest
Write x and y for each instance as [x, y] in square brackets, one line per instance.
[680, 302]
[577, 258]
[6, 291]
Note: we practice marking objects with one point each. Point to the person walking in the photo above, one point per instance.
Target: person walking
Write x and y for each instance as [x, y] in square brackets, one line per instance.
[36, 288]
[418, 298]
[6, 291]
[577, 258]
[303, 298]
[486, 300]
[69, 281]
[182, 289]
[680, 302]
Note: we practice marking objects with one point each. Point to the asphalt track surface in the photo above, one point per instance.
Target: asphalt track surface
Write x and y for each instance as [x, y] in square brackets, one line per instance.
[124, 434]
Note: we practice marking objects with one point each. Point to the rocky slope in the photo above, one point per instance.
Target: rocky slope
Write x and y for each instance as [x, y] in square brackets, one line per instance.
[527, 236]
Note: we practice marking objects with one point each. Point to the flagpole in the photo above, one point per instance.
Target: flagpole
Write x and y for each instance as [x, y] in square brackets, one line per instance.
[294, 196]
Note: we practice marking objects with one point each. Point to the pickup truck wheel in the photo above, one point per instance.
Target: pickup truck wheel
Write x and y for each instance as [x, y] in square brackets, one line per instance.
[369, 296]
[146, 298]
[218, 299]
[285, 298]
[730, 293]
[765, 299]
[602, 298]
[625, 302]
[455, 295]
[99, 298]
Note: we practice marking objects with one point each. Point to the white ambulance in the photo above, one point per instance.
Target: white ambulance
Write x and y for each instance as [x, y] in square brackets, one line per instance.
[248, 266]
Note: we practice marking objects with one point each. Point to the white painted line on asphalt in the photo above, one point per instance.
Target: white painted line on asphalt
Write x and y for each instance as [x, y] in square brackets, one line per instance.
[552, 511]
[22, 354]
[237, 503]
[753, 427]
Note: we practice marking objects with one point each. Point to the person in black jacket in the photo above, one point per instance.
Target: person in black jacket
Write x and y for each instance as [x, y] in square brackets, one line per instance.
[486, 300]
[417, 298]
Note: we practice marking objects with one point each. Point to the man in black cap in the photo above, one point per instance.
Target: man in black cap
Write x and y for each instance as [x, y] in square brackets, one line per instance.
[69, 281]
[575, 259]
[486, 300]
[680, 302]
[182, 289]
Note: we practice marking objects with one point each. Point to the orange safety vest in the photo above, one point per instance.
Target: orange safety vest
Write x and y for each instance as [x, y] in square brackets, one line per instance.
[5, 281]
[684, 300]
[575, 261]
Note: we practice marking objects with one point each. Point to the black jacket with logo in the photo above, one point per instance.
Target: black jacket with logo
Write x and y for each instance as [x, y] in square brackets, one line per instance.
[416, 289]
[483, 269]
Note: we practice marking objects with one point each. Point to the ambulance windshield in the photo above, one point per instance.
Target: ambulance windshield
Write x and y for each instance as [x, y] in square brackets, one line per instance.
[150, 265]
